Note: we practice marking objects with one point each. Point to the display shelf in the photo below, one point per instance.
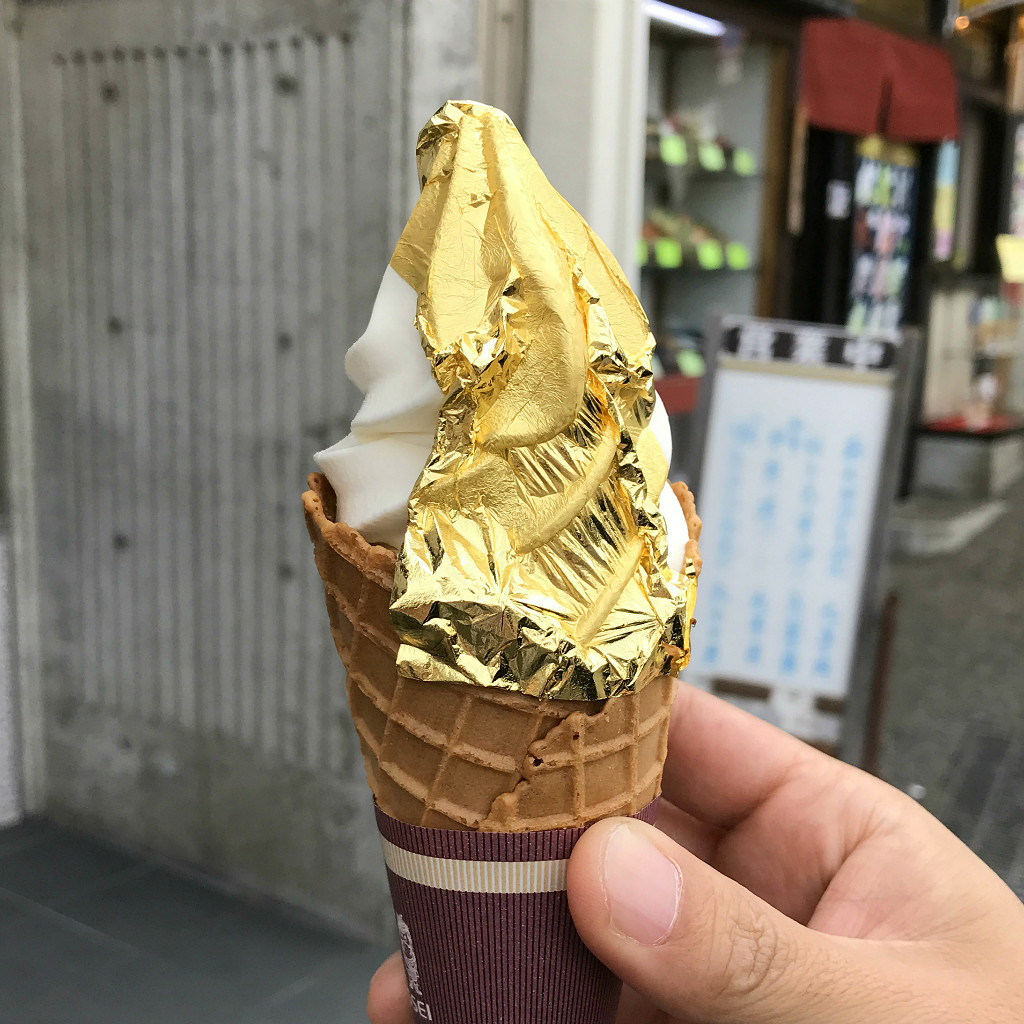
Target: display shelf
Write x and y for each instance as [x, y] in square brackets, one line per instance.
[708, 158]
[697, 173]
[726, 177]
[692, 268]
[706, 173]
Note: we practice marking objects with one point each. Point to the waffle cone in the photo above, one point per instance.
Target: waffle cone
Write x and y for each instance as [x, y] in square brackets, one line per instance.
[444, 755]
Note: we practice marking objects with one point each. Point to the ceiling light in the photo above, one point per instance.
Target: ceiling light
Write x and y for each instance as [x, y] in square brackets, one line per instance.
[962, 24]
[667, 14]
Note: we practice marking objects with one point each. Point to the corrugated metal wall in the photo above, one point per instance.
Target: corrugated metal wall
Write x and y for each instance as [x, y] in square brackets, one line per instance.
[213, 192]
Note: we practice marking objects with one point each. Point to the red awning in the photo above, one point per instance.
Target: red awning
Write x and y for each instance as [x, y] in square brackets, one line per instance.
[859, 79]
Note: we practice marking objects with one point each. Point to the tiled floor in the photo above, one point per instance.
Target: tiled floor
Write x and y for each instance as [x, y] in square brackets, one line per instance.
[91, 935]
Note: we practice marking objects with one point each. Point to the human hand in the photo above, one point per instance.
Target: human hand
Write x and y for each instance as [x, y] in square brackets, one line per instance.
[783, 887]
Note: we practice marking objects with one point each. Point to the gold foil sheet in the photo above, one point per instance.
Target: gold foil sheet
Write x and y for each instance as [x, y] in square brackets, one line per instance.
[535, 556]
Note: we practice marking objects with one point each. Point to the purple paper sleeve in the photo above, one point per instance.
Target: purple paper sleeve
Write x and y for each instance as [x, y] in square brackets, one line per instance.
[485, 930]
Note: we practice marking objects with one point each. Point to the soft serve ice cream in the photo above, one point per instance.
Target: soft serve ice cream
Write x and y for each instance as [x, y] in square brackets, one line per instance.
[374, 469]
[510, 442]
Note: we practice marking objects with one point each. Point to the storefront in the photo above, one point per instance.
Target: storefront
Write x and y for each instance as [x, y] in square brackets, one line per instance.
[789, 168]
[718, 124]
[789, 175]
[969, 443]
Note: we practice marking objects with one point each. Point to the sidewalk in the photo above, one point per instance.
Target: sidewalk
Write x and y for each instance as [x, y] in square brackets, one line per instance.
[955, 723]
[91, 935]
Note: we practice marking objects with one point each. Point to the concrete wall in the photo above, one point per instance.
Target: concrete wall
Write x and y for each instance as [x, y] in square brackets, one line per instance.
[15, 431]
[10, 790]
[213, 191]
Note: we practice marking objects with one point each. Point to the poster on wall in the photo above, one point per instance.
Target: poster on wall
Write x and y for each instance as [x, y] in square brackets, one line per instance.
[884, 194]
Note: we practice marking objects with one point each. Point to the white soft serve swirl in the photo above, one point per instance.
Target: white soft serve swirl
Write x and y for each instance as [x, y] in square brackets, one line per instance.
[374, 469]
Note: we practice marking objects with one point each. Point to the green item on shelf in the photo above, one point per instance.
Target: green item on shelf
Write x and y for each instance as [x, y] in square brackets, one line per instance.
[858, 317]
[711, 156]
[744, 162]
[643, 252]
[690, 363]
[673, 150]
[737, 256]
[709, 254]
[668, 252]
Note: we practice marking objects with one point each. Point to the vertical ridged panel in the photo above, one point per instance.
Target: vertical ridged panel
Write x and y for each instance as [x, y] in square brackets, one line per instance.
[265, 345]
[180, 342]
[337, 751]
[205, 239]
[220, 106]
[215, 220]
[70, 274]
[114, 337]
[237, 473]
[155, 382]
[286, 210]
[136, 333]
[312, 378]
[96, 443]
[202, 342]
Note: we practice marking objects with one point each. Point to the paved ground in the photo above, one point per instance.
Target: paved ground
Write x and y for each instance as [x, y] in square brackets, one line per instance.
[90, 935]
[956, 711]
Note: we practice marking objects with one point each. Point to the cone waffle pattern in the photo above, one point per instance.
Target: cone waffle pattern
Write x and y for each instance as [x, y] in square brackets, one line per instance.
[443, 755]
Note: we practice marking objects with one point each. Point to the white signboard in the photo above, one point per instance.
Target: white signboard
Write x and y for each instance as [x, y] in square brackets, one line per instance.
[792, 461]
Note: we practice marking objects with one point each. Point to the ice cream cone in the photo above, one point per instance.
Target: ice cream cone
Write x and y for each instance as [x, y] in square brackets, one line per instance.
[442, 755]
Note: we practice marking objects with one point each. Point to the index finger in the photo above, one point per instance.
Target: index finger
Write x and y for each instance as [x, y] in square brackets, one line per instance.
[388, 999]
[724, 763]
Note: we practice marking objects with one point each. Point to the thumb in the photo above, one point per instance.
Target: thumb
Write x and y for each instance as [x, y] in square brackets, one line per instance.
[702, 947]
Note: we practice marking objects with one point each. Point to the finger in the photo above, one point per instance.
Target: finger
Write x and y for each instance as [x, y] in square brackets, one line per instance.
[635, 1008]
[775, 799]
[700, 838]
[724, 763]
[702, 947]
[388, 999]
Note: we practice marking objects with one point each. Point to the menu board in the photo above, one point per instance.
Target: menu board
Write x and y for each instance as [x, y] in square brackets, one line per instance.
[883, 231]
[794, 448]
